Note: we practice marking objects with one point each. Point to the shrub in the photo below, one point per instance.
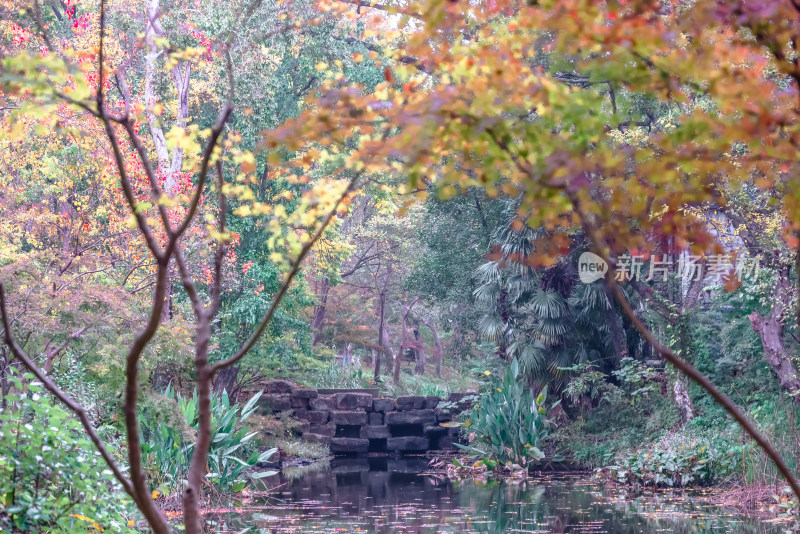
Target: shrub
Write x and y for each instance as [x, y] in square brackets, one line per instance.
[51, 476]
[677, 460]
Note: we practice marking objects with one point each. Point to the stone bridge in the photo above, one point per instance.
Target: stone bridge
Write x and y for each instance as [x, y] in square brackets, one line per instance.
[359, 421]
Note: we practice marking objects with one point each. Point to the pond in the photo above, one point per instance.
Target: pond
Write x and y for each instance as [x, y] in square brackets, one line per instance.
[385, 495]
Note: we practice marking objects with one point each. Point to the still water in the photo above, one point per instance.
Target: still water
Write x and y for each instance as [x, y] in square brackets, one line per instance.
[380, 495]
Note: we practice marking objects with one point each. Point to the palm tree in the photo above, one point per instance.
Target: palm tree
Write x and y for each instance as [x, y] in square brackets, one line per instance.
[543, 316]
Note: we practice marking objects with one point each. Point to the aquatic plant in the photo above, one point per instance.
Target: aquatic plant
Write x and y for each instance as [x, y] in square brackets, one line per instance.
[230, 458]
[508, 423]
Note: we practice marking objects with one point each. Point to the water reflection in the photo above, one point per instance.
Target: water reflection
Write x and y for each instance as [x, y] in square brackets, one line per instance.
[380, 495]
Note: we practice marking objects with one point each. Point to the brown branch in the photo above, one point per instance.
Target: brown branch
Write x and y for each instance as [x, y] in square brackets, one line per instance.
[73, 406]
[383, 7]
[151, 512]
[219, 254]
[37, 17]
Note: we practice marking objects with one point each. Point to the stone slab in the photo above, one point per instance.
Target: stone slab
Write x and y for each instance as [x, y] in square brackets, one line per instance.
[312, 416]
[431, 402]
[353, 401]
[299, 403]
[413, 417]
[349, 418]
[375, 418]
[410, 403]
[407, 443]
[317, 438]
[305, 393]
[383, 405]
[375, 432]
[349, 445]
[276, 402]
[328, 429]
[323, 403]
[278, 387]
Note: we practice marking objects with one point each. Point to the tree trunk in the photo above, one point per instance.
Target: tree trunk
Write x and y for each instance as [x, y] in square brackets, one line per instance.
[318, 320]
[419, 367]
[226, 379]
[387, 349]
[502, 303]
[180, 77]
[615, 328]
[153, 31]
[682, 400]
[381, 334]
[769, 329]
[439, 354]
[403, 345]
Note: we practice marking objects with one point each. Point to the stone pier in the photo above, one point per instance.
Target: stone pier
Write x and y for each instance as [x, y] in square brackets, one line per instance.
[358, 421]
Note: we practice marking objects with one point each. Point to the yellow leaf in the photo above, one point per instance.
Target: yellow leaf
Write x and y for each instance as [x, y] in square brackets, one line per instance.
[156, 493]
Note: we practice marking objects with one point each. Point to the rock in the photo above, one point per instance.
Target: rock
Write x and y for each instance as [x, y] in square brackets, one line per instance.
[313, 417]
[276, 403]
[353, 401]
[375, 418]
[323, 403]
[383, 405]
[443, 417]
[299, 404]
[375, 432]
[317, 438]
[317, 418]
[434, 431]
[349, 445]
[410, 403]
[349, 418]
[414, 417]
[446, 443]
[431, 402]
[407, 443]
[328, 429]
[305, 393]
[279, 387]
